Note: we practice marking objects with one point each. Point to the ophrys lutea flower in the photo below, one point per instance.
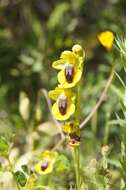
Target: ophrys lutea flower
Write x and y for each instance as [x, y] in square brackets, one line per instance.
[64, 106]
[70, 64]
[46, 163]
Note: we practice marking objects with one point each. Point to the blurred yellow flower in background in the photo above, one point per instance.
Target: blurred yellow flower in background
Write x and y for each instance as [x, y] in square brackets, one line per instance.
[45, 166]
[64, 106]
[106, 39]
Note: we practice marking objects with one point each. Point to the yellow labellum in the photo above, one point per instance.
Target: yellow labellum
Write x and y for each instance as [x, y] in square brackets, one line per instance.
[106, 38]
[64, 83]
[69, 111]
[45, 165]
[64, 106]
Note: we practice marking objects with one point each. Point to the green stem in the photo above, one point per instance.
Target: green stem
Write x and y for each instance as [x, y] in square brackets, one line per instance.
[76, 149]
[78, 104]
[11, 169]
[76, 158]
[106, 132]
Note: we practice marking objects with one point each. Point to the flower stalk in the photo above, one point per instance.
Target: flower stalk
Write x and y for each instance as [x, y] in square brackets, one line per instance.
[76, 149]
[76, 159]
[12, 172]
[67, 100]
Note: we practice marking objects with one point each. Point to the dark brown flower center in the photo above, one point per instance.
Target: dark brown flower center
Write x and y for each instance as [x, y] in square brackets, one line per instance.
[44, 165]
[74, 138]
[62, 104]
[69, 72]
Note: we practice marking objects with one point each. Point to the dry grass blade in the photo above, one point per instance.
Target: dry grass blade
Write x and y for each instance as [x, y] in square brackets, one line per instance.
[85, 121]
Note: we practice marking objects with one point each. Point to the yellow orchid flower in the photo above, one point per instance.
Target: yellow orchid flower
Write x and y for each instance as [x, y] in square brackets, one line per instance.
[70, 64]
[64, 106]
[45, 166]
[69, 76]
[106, 38]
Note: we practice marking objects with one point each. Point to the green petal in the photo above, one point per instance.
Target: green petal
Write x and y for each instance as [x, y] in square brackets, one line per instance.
[69, 56]
[53, 94]
[59, 64]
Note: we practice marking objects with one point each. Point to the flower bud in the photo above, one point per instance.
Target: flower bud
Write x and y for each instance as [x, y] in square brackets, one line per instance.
[78, 50]
[74, 139]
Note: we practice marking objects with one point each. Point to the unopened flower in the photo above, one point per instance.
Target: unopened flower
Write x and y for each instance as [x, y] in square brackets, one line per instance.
[45, 165]
[106, 39]
[70, 127]
[64, 106]
[74, 139]
[70, 64]
[77, 49]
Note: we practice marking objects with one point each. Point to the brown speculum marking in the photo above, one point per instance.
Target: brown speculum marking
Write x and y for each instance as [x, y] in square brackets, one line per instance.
[44, 165]
[74, 138]
[62, 104]
[69, 73]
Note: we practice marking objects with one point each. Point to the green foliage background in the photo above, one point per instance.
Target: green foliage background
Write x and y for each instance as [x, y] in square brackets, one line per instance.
[32, 35]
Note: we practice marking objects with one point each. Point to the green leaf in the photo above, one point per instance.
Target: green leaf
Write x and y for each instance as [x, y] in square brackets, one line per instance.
[4, 146]
[120, 122]
[49, 128]
[62, 164]
[117, 91]
[124, 99]
[21, 178]
[124, 62]
[57, 15]
[26, 169]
